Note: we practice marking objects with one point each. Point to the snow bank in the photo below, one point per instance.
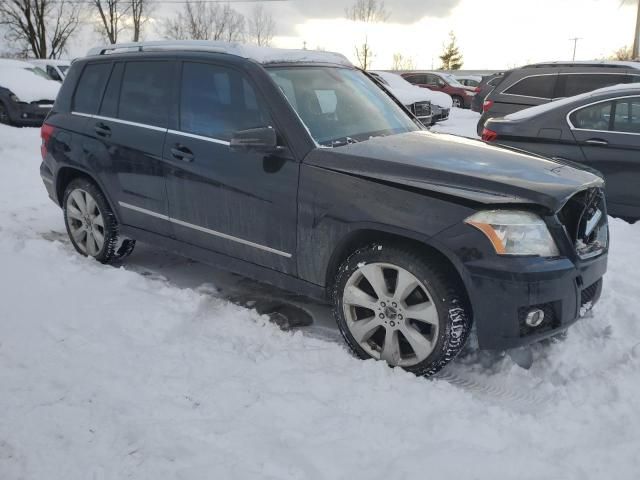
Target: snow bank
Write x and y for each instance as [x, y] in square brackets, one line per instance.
[25, 84]
[106, 374]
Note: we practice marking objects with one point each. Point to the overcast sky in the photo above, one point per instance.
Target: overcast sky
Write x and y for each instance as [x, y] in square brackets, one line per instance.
[492, 34]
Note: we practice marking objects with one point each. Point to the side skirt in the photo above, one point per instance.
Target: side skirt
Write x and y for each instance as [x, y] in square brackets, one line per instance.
[225, 262]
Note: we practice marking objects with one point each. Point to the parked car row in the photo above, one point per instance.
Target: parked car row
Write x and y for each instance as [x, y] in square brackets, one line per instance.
[460, 94]
[296, 168]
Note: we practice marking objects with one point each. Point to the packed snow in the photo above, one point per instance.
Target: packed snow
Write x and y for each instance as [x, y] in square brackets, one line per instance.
[23, 81]
[408, 93]
[146, 371]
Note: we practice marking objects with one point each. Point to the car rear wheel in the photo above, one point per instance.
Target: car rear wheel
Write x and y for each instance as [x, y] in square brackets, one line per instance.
[457, 101]
[91, 224]
[393, 305]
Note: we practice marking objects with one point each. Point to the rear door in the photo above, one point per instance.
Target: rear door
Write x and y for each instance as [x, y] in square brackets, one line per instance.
[242, 204]
[609, 135]
[129, 131]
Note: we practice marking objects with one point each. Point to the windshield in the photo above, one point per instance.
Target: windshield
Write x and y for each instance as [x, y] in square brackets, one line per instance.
[63, 68]
[340, 105]
[451, 80]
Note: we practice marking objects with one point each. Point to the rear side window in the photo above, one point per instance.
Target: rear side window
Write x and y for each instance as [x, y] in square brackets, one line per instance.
[216, 102]
[109, 107]
[145, 93]
[416, 79]
[575, 84]
[539, 86]
[593, 117]
[627, 117]
[90, 87]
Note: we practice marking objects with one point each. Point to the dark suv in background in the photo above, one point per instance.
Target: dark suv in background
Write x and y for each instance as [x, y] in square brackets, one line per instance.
[297, 169]
[541, 83]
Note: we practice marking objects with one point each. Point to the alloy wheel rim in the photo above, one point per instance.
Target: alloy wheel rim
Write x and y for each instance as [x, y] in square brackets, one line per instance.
[390, 314]
[86, 222]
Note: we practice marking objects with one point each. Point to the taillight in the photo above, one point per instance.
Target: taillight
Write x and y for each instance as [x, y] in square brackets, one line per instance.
[45, 134]
[489, 135]
[486, 106]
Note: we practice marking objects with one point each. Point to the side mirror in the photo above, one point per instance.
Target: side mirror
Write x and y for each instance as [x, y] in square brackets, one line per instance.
[262, 139]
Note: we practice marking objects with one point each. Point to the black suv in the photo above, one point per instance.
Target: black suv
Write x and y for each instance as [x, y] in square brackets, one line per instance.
[297, 169]
[540, 83]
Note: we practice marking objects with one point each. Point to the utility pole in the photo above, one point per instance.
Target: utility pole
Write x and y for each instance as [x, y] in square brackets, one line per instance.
[575, 45]
[635, 53]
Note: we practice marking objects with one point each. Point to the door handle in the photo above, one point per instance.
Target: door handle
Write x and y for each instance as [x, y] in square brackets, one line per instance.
[182, 153]
[597, 141]
[102, 130]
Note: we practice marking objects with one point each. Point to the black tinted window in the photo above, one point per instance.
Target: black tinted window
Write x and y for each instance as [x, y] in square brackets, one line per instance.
[216, 101]
[416, 79]
[593, 117]
[109, 107]
[145, 93]
[540, 86]
[90, 87]
[575, 84]
[627, 118]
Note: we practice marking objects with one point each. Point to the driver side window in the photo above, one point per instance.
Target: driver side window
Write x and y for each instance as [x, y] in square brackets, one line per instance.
[216, 101]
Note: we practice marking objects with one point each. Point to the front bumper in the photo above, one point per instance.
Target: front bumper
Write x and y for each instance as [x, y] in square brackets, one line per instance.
[27, 114]
[503, 292]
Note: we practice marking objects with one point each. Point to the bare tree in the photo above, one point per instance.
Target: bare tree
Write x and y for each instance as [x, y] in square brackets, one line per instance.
[112, 14]
[40, 28]
[623, 53]
[140, 10]
[400, 62]
[366, 11]
[205, 21]
[262, 26]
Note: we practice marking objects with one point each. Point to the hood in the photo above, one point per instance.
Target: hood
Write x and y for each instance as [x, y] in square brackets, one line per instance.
[467, 169]
[27, 85]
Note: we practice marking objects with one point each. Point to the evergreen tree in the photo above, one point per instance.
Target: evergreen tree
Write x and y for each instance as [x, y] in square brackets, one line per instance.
[451, 57]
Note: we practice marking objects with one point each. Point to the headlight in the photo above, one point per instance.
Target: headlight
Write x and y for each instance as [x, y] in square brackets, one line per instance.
[14, 98]
[513, 232]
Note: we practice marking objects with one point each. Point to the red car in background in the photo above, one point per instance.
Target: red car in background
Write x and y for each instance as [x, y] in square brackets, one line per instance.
[443, 82]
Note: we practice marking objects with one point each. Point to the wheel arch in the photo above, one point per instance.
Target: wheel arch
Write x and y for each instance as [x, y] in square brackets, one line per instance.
[66, 174]
[366, 236]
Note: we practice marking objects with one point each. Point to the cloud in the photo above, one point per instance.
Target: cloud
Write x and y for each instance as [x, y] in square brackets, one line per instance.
[402, 11]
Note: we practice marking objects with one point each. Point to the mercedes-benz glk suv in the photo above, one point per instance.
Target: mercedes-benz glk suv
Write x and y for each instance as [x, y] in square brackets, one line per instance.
[297, 169]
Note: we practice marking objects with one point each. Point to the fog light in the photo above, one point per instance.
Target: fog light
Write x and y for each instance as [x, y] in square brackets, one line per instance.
[535, 317]
[24, 115]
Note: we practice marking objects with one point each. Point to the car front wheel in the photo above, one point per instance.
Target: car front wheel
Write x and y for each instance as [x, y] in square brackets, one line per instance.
[391, 304]
[457, 102]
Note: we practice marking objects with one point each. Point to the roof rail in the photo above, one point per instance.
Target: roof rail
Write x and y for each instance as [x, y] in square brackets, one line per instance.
[159, 45]
[587, 63]
[262, 55]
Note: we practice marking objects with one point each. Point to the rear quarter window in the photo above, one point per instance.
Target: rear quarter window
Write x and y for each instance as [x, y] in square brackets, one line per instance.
[90, 87]
[538, 86]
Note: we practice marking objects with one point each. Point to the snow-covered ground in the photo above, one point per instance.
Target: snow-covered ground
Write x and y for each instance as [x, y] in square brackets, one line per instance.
[146, 372]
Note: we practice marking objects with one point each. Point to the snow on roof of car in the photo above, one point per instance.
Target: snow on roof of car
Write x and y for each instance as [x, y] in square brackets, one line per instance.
[264, 55]
[23, 81]
[396, 82]
[546, 107]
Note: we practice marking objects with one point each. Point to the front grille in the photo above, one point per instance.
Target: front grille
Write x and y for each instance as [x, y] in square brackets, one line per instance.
[584, 217]
[421, 109]
[590, 294]
[550, 321]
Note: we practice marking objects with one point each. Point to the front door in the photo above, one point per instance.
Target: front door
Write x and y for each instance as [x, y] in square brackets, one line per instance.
[239, 203]
[609, 135]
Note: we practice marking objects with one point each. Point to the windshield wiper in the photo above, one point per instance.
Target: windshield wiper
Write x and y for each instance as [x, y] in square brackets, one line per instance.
[340, 142]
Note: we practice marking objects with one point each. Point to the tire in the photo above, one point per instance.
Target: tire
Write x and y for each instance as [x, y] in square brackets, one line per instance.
[4, 115]
[458, 102]
[424, 326]
[91, 225]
